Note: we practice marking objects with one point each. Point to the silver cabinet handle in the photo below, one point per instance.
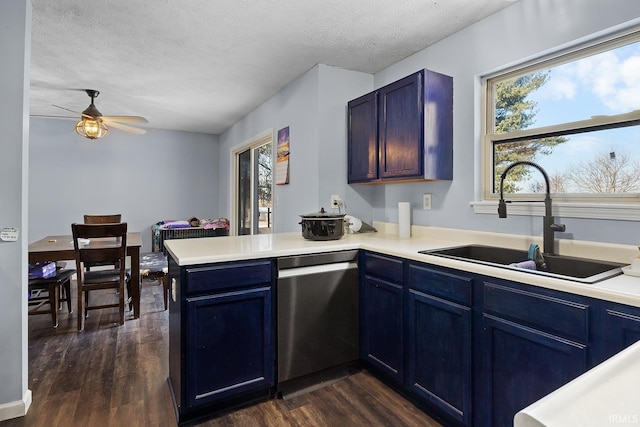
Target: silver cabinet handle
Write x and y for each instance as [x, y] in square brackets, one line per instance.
[173, 289]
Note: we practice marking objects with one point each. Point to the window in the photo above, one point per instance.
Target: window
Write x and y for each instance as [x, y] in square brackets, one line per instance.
[577, 115]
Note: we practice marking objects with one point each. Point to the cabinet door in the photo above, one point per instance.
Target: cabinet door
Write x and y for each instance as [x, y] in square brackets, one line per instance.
[438, 126]
[229, 337]
[519, 366]
[381, 326]
[363, 139]
[622, 329]
[439, 354]
[401, 137]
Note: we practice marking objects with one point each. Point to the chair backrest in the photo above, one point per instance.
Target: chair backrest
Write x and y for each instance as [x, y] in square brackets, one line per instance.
[102, 219]
[107, 243]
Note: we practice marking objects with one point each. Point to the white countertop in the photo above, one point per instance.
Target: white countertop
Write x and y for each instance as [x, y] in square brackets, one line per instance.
[624, 289]
[603, 396]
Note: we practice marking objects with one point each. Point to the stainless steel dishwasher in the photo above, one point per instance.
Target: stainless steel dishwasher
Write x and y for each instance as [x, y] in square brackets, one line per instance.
[317, 313]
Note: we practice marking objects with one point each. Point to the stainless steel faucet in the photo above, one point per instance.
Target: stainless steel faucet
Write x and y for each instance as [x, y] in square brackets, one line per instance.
[549, 227]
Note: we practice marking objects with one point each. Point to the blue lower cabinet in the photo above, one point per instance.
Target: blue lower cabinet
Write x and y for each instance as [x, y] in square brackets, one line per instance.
[532, 341]
[474, 350]
[229, 342]
[439, 354]
[621, 328]
[381, 343]
[221, 336]
[520, 366]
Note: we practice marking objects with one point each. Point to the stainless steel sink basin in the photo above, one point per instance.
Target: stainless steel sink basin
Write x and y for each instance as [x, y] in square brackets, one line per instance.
[582, 270]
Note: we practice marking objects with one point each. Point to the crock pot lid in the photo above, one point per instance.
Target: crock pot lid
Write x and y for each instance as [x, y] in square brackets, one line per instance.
[323, 215]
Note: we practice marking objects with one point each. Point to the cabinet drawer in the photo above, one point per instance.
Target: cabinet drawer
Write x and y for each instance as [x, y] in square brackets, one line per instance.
[216, 277]
[384, 267]
[444, 285]
[550, 314]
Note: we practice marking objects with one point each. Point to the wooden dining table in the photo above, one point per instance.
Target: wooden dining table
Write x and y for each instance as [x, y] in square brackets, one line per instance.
[60, 248]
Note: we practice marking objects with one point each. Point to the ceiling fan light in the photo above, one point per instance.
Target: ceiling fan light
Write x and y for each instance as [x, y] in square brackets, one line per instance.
[91, 128]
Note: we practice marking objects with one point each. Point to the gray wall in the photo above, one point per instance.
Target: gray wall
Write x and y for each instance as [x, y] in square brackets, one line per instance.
[147, 178]
[314, 107]
[15, 43]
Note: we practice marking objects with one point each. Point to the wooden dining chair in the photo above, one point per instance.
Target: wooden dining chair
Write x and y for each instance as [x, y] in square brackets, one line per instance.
[106, 244]
[101, 219]
[49, 291]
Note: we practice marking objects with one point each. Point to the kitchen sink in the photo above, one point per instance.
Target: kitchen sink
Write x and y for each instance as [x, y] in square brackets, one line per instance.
[582, 270]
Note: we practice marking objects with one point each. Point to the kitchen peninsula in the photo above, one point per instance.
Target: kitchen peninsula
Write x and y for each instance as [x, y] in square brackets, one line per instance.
[484, 316]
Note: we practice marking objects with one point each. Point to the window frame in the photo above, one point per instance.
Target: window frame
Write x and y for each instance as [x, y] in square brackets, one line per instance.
[574, 205]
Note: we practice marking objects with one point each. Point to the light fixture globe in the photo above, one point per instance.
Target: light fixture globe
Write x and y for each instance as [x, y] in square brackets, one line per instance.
[91, 128]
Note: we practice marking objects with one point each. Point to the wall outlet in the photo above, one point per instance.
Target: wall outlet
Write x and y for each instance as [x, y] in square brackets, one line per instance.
[426, 201]
[336, 201]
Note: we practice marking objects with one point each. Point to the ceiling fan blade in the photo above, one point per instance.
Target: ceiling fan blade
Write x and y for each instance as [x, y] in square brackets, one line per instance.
[75, 112]
[48, 116]
[66, 109]
[125, 128]
[125, 119]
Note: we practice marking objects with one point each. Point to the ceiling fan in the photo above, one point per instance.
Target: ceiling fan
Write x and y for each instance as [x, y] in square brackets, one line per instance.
[93, 124]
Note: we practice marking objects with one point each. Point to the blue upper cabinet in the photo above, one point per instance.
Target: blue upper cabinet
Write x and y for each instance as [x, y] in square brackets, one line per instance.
[403, 131]
[363, 138]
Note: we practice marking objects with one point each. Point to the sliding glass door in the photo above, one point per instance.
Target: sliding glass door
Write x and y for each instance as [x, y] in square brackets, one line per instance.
[254, 168]
[245, 206]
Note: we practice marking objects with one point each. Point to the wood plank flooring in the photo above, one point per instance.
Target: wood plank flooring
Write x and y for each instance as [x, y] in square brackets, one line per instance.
[110, 375]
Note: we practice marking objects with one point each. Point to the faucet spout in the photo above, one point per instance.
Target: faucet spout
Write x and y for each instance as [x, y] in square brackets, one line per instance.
[549, 226]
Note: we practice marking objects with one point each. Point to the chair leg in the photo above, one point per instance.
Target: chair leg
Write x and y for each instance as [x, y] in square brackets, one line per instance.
[165, 291]
[64, 294]
[67, 294]
[129, 298]
[80, 309]
[86, 304]
[53, 303]
[58, 290]
[121, 304]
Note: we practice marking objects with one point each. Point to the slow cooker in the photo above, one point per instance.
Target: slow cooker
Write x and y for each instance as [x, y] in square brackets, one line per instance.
[322, 225]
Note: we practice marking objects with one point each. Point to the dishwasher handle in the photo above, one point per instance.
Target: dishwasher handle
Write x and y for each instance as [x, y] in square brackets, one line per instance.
[316, 269]
[322, 258]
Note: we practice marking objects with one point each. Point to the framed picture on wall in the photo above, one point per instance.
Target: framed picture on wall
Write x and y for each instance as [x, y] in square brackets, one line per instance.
[282, 157]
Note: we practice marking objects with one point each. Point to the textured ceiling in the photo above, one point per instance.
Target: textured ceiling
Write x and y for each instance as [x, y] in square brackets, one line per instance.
[201, 65]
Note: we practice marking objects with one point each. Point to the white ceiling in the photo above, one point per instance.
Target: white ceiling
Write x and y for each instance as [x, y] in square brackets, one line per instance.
[201, 65]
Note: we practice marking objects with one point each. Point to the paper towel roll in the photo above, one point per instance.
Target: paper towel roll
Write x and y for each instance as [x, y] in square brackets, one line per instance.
[355, 224]
[404, 220]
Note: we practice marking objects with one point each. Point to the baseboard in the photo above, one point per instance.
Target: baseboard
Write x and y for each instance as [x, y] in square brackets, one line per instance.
[16, 409]
[308, 383]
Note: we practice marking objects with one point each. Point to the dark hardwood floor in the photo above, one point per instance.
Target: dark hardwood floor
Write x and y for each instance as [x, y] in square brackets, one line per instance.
[110, 375]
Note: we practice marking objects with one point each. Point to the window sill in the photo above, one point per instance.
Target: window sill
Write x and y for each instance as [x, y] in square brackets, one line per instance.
[622, 212]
